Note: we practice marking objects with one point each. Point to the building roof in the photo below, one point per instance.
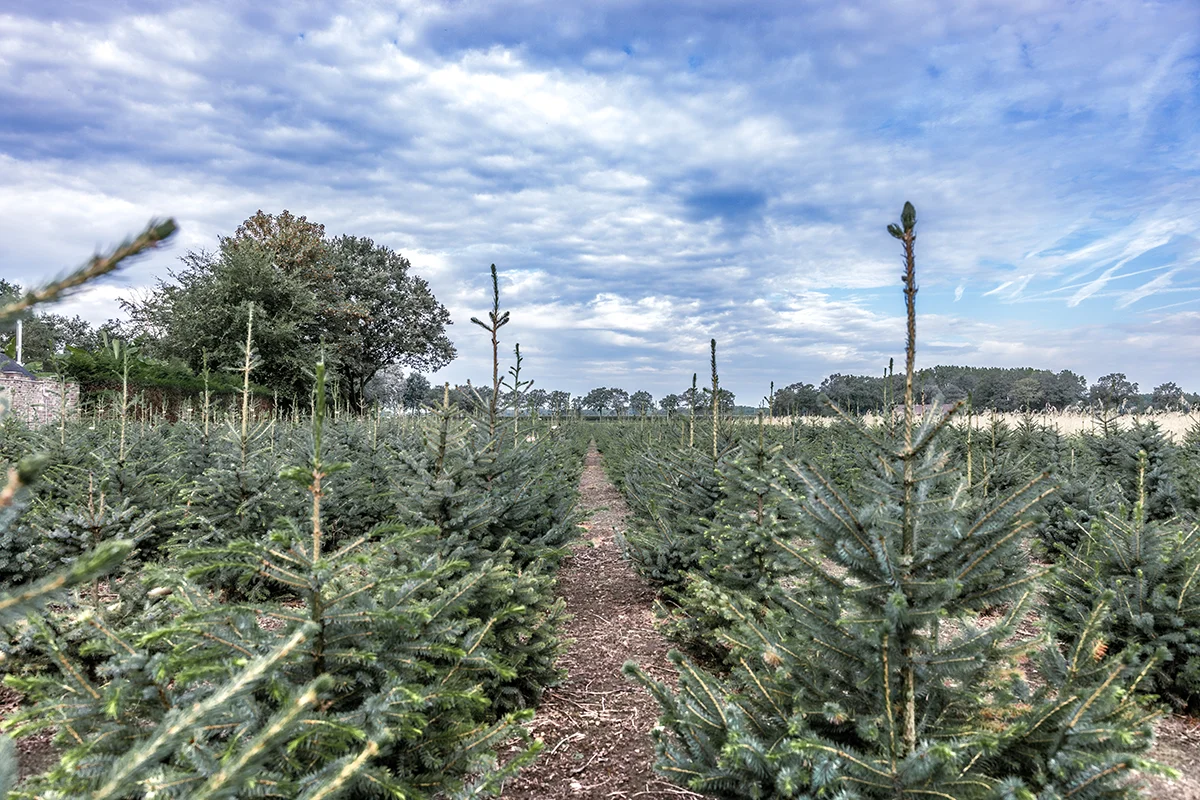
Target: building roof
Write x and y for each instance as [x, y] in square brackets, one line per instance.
[9, 366]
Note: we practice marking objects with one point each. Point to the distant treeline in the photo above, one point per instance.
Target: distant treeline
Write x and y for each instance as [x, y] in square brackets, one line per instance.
[999, 388]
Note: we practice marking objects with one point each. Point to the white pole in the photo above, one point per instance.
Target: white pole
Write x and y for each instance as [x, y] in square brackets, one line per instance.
[20, 331]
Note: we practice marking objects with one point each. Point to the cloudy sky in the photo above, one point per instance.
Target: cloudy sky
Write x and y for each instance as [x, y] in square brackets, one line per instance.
[648, 175]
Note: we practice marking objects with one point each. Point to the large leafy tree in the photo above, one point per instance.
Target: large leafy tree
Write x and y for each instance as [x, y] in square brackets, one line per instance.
[201, 312]
[1027, 392]
[618, 401]
[642, 402]
[1167, 395]
[383, 315]
[1064, 388]
[853, 392]
[598, 399]
[1113, 389]
[724, 399]
[416, 389]
[559, 401]
[536, 399]
[357, 301]
[798, 398]
[297, 245]
[47, 334]
[670, 403]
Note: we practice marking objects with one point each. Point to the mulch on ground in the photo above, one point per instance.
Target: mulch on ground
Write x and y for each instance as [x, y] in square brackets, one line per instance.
[595, 725]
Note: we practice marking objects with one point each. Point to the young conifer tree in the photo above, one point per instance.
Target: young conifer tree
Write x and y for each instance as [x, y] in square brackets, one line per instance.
[407, 651]
[512, 534]
[1152, 482]
[516, 389]
[496, 321]
[23, 601]
[884, 681]
[1189, 470]
[737, 554]
[1151, 569]
[363, 678]
[716, 396]
[238, 495]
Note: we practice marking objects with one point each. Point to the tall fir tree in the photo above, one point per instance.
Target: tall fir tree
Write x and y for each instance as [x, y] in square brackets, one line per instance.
[885, 681]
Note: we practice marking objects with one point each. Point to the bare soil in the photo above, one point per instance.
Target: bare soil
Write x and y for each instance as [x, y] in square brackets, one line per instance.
[595, 725]
[1178, 746]
[35, 753]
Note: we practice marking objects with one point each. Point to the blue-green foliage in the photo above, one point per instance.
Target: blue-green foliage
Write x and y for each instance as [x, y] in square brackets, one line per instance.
[821, 660]
[356, 607]
[881, 659]
[1152, 569]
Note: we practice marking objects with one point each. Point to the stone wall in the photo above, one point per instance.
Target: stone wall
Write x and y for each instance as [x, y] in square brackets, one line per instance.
[38, 401]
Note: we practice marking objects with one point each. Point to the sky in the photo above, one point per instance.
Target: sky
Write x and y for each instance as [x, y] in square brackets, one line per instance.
[650, 175]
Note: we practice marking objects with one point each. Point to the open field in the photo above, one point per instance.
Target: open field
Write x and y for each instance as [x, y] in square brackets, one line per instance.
[1174, 424]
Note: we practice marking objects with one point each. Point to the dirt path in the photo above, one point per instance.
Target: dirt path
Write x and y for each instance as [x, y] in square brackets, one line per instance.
[595, 725]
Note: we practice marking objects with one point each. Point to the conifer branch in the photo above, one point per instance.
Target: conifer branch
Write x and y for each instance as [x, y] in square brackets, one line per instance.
[153, 236]
[179, 722]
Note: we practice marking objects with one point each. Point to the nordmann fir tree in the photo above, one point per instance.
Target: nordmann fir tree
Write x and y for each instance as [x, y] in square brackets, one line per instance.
[737, 556]
[1189, 470]
[884, 682]
[238, 495]
[673, 492]
[20, 601]
[512, 536]
[1152, 483]
[406, 636]
[496, 321]
[716, 397]
[362, 680]
[516, 390]
[1151, 569]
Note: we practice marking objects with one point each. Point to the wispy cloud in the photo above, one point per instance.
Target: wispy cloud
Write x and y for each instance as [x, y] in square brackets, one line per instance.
[1147, 289]
[1091, 287]
[646, 176]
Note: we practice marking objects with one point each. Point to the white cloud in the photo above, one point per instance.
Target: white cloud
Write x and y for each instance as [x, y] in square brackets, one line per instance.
[636, 203]
[1090, 288]
[1147, 289]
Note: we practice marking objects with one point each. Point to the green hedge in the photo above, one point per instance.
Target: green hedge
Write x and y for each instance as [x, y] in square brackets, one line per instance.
[97, 372]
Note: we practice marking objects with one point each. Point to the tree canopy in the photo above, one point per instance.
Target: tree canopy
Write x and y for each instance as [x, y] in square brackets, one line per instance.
[356, 302]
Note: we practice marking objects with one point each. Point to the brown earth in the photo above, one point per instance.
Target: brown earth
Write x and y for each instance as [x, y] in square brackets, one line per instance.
[595, 725]
[1178, 746]
[36, 753]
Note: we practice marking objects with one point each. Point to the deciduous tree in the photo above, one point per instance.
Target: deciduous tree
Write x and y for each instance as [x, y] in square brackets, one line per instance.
[1112, 390]
[642, 402]
[357, 302]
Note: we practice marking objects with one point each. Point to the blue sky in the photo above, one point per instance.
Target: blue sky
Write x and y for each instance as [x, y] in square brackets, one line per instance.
[648, 175]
